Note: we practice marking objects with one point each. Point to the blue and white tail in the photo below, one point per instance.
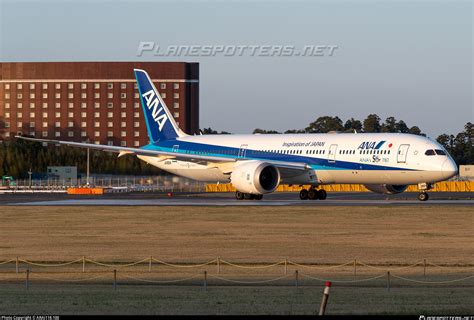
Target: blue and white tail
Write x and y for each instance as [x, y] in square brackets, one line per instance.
[159, 121]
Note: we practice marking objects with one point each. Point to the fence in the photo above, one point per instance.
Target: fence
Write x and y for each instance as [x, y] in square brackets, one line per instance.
[218, 272]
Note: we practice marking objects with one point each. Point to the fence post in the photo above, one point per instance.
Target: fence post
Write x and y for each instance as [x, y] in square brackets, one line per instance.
[388, 281]
[296, 279]
[286, 266]
[424, 268]
[17, 265]
[205, 280]
[83, 264]
[115, 279]
[27, 279]
[218, 265]
[324, 302]
[149, 265]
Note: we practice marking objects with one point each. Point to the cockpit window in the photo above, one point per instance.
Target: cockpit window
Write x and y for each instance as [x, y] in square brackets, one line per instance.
[440, 152]
[430, 152]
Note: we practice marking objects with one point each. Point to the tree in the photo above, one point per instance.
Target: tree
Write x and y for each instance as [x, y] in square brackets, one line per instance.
[208, 131]
[372, 123]
[262, 131]
[390, 125]
[295, 131]
[402, 127]
[352, 125]
[325, 124]
[415, 130]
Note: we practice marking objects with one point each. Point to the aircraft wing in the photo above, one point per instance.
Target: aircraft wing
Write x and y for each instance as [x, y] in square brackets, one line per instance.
[216, 161]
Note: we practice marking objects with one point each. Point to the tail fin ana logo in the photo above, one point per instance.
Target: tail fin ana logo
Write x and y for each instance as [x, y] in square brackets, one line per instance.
[157, 112]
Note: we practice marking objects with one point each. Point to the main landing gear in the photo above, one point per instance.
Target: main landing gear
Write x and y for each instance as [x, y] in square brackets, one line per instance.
[423, 196]
[313, 194]
[247, 196]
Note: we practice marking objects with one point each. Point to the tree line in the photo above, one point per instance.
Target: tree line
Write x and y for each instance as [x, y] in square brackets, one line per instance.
[18, 156]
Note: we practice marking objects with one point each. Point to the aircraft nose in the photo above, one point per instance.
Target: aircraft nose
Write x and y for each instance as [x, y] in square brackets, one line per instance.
[449, 168]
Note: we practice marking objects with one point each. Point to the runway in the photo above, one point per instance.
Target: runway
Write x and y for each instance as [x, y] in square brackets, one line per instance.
[227, 199]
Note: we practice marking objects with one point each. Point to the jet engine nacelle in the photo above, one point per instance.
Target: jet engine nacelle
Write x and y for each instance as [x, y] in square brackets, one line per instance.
[255, 177]
[386, 188]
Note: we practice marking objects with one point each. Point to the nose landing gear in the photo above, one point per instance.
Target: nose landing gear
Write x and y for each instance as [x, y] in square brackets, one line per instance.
[313, 194]
[423, 196]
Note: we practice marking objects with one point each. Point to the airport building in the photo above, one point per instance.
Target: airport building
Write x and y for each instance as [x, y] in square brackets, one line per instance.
[92, 101]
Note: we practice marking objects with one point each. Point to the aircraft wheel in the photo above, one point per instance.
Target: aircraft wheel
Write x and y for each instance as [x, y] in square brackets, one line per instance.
[312, 194]
[423, 196]
[304, 194]
[322, 194]
[248, 196]
[239, 195]
[258, 196]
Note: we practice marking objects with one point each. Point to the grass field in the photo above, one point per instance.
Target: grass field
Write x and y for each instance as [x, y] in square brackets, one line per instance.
[374, 235]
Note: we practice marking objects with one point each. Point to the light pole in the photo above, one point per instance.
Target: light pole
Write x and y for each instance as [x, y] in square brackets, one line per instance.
[29, 180]
[87, 174]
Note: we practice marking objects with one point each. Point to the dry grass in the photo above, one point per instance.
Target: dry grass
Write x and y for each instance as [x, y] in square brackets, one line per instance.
[260, 234]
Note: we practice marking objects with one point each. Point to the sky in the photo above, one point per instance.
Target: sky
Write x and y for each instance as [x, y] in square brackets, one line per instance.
[407, 59]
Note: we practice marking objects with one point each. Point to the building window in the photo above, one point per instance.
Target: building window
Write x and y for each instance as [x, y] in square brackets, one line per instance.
[110, 95]
[7, 95]
[123, 105]
[83, 95]
[45, 105]
[123, 86]
[57, 124]
[7, 134]
[110, 124]
[83, 105]
[96, 114]
[135, 86]
[7, 124]
[70, 124]
[57, 86]
[19, 95]
[163, 95]
[176, 105]
[96, 105]
[32, 86]
[19, 105]
[136, 143]
[123, 124]
[136, 133]
[96, 85]
[176, 114]
[136, 124]
[70, 114]
[70, 95]
[110, 143]
[19, 86]
[7, 86]
[70, 133]
[110, 104]
[45, 114]
[57, 114]
[57, 134]
[175, 86]
[32, 114]
[19, 124]
[32, 133]
[7, 105]
[83, 124]
[83, 114]
[32, 124]
[83, 86]
[110, 114]
[96, 95]
[110, 134]
[44, 134]
[96, 134]
[45, 86]
[32, 105]
[83, 134]
[57, 105]
[96, 124]
[135, 105]
[136, 115]
[45, 96]
[7, 115]
[70, 105]
[123, 143]
[123, 114]
[162, 86]
[32, 95]
[45, 124]
[123, 95]
[19, 115]
[70, 85]
[57, 95]
[176, 95]
[110, 85]
[123, 133]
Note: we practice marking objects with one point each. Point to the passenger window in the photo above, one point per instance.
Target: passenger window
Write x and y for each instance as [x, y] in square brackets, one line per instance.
[440, 152]
[430, 152]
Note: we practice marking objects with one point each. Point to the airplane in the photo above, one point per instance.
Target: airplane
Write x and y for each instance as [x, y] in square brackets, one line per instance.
[256, 164]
